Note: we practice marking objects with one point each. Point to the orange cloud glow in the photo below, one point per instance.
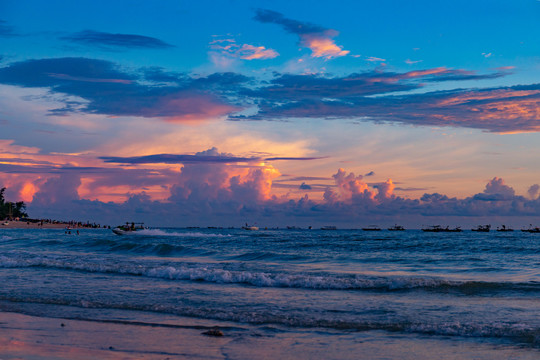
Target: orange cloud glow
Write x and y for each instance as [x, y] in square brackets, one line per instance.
[323, 47]
[27, 192]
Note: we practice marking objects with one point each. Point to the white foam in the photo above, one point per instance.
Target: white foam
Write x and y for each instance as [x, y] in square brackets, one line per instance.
[158, 232]
[216, 273]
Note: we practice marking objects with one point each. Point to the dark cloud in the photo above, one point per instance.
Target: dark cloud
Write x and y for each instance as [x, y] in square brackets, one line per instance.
[208, 156]
[304, 186]
[314, 37]
[289, 25]
[371, 173]
[502, 109]
[108, 40]
[109, 90]
[177, 159]
[289, 87]
[371, 96]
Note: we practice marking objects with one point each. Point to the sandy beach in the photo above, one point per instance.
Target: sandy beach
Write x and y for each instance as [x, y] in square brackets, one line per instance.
[31, 225]
[42, 338]
[37, 338]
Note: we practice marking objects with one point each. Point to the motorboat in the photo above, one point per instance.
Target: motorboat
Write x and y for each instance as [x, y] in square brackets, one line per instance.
[438, 228]
[329, 227]
[396, 228]
[250, 227]
[532, 229]
[372, 228]
[128, 228]
[504, 228]
[482, 228]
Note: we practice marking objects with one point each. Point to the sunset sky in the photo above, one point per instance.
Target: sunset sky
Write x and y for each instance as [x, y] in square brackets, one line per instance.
[278, 113]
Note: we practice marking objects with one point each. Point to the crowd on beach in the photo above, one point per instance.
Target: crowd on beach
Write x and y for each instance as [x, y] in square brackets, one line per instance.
[47, 223]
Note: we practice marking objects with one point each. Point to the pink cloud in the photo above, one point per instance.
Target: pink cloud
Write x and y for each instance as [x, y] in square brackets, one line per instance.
[317, 38]
[322, 46]
[250, 52]
[186, 107]
[210, 182]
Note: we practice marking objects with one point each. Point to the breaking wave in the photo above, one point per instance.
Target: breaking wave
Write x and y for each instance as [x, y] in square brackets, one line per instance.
[231, 274]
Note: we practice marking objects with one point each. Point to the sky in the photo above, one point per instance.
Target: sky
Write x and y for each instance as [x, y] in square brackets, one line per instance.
[279, 113]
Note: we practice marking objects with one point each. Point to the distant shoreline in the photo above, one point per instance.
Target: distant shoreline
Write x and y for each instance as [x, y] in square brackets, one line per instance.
[14, 224]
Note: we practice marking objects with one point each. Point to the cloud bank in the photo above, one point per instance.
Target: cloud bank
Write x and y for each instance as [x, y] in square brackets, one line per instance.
[223, 193]
[102, 87]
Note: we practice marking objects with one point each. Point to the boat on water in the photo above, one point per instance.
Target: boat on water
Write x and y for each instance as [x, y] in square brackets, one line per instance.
[250, 227]
[396, 228]
[504, 228]
[372, 228]
[482, 228]
[532, 229]
[329, 227]
[439, 228]
[128, 228]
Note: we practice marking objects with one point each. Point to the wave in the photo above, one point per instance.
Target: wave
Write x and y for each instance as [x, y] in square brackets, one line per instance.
[468, 328]
[157, 232]
[230, 274]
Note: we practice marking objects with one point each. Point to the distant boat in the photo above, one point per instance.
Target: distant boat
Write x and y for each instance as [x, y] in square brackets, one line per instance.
[504, 228]
[396, 228]
[438, 228]
[372, 228]
[128, 228]
[329, 227]
[250, 227]
[482, 228]
[531, 230]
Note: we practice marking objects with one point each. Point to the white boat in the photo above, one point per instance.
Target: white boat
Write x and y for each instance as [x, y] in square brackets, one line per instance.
[128, 228]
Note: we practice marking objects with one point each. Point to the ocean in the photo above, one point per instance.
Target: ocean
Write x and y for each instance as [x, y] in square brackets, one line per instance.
[298, 294]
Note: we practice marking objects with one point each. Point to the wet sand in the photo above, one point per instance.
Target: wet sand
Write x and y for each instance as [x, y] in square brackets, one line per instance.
[39, 338]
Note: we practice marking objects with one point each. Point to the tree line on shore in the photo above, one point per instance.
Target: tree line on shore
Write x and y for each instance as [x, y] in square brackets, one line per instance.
[10, 209]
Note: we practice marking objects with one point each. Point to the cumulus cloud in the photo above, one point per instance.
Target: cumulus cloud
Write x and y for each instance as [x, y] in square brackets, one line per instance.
[105, 40]
[207, 194]
[533, 191]
[204, 192]
[222, 186]
[317, 38]
[496, 190]
[58, 190]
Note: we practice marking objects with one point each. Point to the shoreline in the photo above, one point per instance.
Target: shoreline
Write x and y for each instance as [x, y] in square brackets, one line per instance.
[31, 225]
[31, 337]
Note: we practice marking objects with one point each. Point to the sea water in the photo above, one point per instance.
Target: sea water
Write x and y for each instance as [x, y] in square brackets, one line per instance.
[387, 290]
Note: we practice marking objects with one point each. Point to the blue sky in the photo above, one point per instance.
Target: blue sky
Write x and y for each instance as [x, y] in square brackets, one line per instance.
[414, 98]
